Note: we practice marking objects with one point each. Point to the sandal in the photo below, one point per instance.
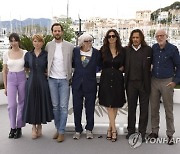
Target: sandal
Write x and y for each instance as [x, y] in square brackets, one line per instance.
[114, 137]
[109, 135]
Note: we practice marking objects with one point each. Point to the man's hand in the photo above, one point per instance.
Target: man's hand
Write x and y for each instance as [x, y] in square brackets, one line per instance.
[171, 84]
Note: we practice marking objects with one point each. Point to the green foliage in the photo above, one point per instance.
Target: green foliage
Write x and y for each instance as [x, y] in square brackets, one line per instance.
[69, 33]
[47, 38]
[1, 65]
[26, 43]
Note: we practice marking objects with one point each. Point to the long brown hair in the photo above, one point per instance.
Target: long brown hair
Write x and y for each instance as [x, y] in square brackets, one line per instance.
[105, 46]
[143, 42]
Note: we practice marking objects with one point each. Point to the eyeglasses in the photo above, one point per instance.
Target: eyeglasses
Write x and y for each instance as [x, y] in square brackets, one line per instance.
[111, 36]
[88, 41]
[157, 36]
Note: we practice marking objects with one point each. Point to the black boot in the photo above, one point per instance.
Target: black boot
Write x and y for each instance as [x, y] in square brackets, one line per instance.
[12, 133]
[18, 133]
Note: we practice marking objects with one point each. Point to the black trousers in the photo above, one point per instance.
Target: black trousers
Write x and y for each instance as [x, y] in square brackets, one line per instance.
[78, 97]
[135, 91]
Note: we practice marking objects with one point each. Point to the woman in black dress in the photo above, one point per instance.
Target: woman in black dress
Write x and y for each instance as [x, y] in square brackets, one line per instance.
[38, 106]
[111, 86]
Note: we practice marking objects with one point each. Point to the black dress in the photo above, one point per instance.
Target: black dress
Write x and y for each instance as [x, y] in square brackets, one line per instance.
[38, 106]
[111, 86]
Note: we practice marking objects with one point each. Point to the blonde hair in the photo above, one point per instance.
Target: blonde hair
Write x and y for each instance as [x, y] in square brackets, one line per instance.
[38, 37]
[83, 38]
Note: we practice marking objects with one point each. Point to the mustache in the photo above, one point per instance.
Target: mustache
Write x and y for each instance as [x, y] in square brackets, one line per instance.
[58, 37]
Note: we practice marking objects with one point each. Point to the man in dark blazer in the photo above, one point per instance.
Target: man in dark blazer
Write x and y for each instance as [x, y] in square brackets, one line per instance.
[137, 81]
[84, 86]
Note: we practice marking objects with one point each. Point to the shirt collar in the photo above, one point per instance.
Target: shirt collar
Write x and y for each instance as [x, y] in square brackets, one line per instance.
[136, 49]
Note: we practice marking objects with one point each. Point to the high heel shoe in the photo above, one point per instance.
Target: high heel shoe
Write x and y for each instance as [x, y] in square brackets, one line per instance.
[109, 135]
[39, 130]
[114, 137]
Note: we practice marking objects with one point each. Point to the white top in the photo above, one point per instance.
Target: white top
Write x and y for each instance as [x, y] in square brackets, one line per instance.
[85, 57]
[88, 53]
[57, 69]
[14, 65]
[136, 49]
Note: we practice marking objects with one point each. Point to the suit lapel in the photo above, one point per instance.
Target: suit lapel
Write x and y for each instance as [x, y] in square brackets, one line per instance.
[128, 58]
[51, 54]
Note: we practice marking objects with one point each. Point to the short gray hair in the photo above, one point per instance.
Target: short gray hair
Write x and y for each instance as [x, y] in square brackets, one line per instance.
[83, 38]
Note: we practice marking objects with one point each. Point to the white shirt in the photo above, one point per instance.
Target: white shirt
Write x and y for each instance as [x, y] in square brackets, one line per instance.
[85, 57]
[14, 65]
[88, 53]
[57, 69]
[136, 49]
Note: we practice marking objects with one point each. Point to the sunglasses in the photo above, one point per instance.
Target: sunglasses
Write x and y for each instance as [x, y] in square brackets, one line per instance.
[111, 36]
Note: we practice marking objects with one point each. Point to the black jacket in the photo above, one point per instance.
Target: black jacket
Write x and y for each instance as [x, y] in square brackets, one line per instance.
[147, 61]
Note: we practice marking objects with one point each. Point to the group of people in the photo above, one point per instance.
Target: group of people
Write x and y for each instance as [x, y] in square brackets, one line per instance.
[150, 73]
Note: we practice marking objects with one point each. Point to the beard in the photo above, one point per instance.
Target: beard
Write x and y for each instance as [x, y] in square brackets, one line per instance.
[57, 37]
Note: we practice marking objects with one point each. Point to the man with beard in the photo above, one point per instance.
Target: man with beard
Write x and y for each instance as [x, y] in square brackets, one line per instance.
[165, 76]
[137, 81]
[59, 73]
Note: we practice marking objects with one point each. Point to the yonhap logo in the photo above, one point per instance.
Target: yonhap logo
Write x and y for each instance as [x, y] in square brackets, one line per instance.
[162, 140]
[135, 140]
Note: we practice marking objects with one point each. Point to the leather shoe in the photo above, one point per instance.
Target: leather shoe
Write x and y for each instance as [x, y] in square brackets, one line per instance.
[60, 138]
[18, 133]
[12, 133]
[128, 135]
[143, 138]
[170, 140]
[56, 135]
[152, 135]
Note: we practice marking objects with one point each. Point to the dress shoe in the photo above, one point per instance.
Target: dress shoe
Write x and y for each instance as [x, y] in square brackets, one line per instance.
[143, 139]
[55, 136]
[152, 135]
[60, 138]
[12, 133]
[128, 135]
[170, 140]
[18, 133]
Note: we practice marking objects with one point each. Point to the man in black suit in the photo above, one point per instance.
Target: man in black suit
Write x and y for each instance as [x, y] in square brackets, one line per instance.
[137, 81]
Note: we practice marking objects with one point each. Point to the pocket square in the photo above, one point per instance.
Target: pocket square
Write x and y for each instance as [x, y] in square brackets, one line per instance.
[148, 57]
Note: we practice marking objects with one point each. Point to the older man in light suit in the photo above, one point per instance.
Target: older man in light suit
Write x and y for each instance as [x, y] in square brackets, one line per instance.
[59, 73]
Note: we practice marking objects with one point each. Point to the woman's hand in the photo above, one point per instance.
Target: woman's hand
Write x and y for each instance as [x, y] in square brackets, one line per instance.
[121, 68]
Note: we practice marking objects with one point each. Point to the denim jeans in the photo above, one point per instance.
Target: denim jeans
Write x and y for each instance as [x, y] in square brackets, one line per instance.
[60, 91]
